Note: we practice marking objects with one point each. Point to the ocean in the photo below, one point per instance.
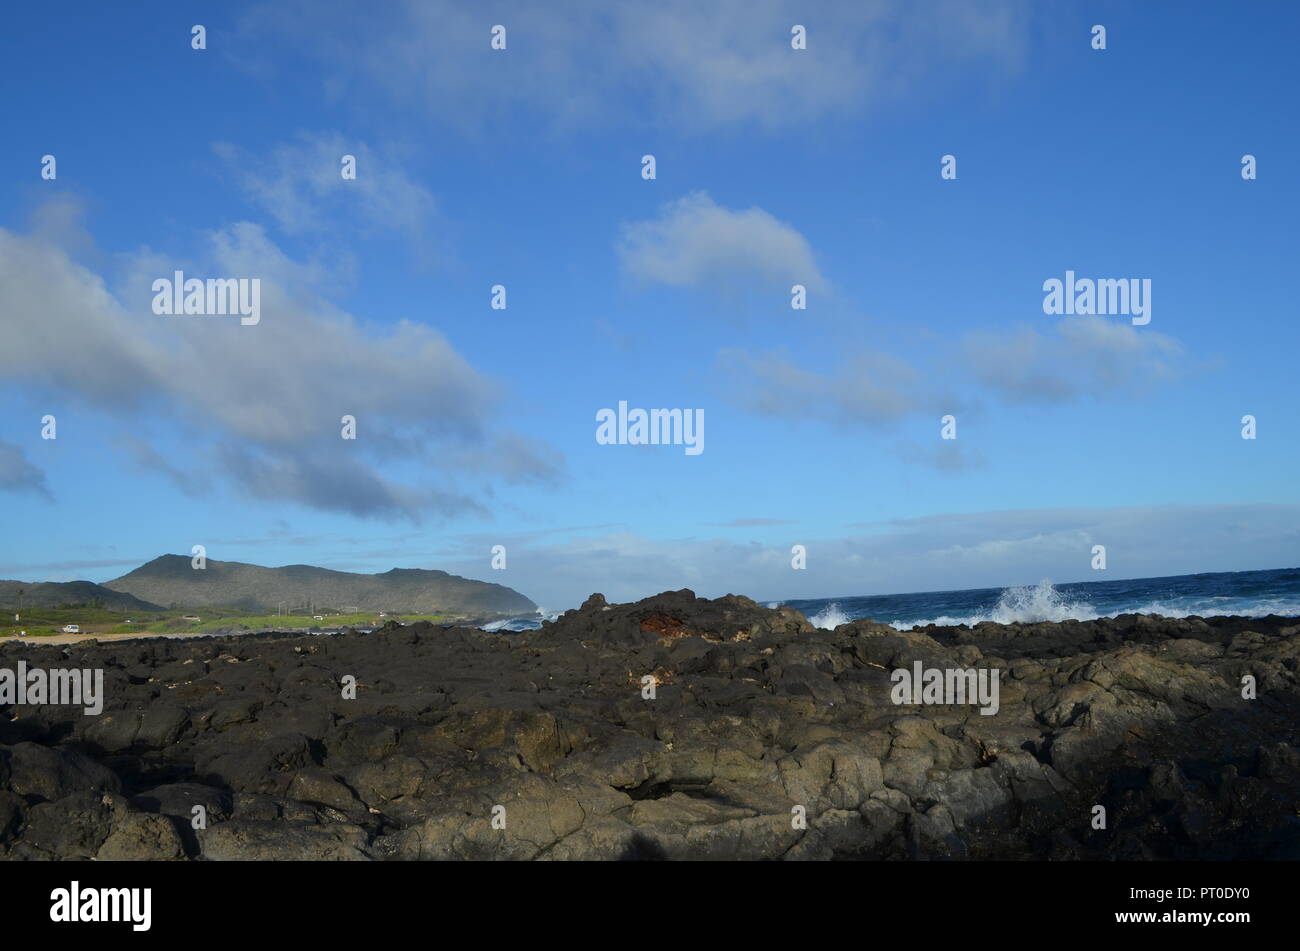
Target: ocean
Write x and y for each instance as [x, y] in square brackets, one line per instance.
[1245, 593]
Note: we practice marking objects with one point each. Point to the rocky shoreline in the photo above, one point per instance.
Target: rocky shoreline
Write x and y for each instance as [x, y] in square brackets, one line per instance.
[765, 738]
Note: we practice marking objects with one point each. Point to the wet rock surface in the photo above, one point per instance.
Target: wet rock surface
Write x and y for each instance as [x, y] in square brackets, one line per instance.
[765, 739]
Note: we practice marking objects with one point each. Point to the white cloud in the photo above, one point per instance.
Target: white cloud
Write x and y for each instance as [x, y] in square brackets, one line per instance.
[694, 241]
[941, 552]
[20, 474]
[1088, 356]
[872, 389]
[1084, 357]
[266, 399]
[300, 186]
[679, 61]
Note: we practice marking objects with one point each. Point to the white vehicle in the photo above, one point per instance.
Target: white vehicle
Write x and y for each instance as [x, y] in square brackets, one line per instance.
[71, 629]
[318, 617]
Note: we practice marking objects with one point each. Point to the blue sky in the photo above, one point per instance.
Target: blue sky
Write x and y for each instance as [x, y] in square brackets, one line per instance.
[775, 166]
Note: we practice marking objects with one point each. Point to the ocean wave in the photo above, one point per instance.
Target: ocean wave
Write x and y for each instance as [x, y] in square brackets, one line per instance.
[508, 624]
[829, 617]
[1043, 602]
[1018, 605]
[529, 623]
[1200, 608]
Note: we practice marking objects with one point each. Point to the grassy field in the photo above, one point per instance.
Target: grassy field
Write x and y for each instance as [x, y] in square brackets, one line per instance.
[40, 622]
[266, 622]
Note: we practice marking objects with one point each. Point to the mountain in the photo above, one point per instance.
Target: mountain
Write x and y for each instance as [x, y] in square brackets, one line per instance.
[57, 594]
[170, 580]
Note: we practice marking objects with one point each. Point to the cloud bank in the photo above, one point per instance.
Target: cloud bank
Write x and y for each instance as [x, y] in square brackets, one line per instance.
[727, 63]
[940, 552]
[265, 402]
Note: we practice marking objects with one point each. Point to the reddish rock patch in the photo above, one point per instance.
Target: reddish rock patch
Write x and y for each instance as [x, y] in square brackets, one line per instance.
[664, 625]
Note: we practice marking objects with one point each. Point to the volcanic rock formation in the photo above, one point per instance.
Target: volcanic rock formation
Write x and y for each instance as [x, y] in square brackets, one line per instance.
[765, 738]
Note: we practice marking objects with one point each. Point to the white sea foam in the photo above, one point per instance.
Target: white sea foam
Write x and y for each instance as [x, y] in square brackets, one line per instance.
[1202, 607]
[943, 620]
[1022, 605]
[516, 624]
[829, 617]
[1042, 602]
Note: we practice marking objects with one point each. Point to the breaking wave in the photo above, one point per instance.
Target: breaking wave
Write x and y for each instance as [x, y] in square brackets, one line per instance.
[829, 617]
[529, 622]
[1021, 604]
